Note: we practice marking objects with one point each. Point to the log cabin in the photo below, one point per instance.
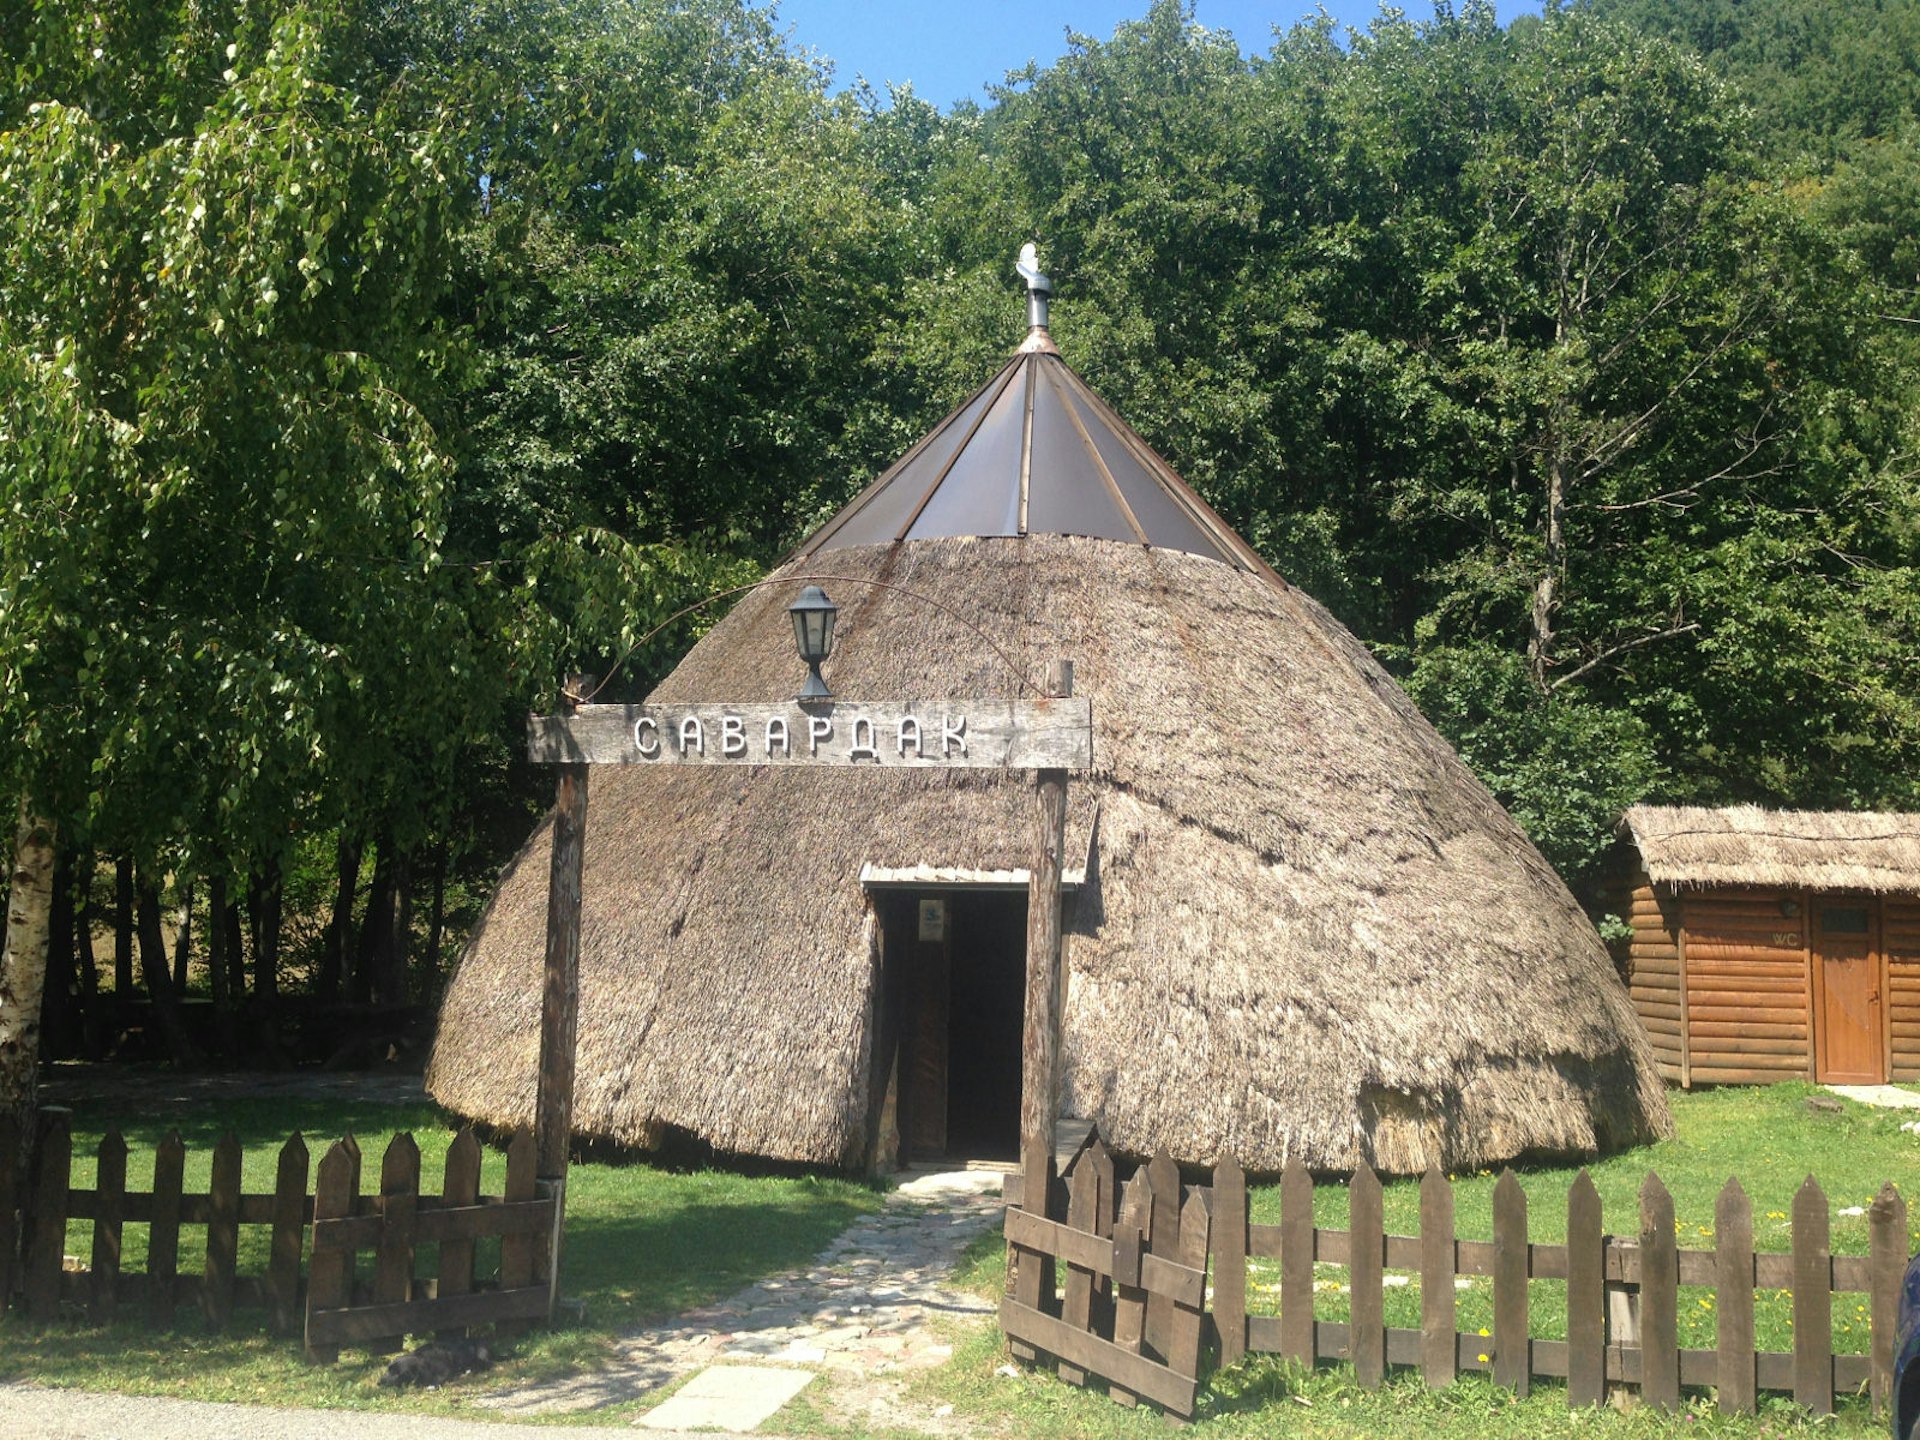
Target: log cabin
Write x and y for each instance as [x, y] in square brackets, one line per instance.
[1773, 944]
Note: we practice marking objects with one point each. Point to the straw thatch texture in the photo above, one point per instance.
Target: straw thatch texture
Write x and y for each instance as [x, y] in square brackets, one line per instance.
[1307, 929]
[1694, 847]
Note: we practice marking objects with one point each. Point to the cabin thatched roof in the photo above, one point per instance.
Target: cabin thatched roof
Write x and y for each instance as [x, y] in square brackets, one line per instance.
[1306, 929]
[1695, 847]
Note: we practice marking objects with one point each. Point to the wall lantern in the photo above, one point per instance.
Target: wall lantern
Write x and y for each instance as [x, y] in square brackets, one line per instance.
[813, 615]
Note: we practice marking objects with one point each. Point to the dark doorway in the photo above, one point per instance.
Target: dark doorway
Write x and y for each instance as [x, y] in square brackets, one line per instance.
[989, 985]
[956, 970]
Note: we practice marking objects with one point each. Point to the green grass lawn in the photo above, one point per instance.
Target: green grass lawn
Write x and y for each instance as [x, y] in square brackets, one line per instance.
[642, 1242]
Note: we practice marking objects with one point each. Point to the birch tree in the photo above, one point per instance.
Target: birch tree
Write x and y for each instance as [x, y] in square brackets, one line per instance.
[222, 263]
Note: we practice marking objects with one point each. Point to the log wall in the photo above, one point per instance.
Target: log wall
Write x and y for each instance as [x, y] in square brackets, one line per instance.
[1900, 938]
[1653, 972]
[1748, 999]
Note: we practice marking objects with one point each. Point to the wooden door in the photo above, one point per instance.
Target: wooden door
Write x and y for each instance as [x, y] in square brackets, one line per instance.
[1847, 994]
[924, 1042]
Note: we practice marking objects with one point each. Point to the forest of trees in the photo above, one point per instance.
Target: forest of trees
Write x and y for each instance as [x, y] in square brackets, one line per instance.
[366, 365]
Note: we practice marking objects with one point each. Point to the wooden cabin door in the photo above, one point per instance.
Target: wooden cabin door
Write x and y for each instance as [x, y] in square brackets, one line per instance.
[1847, 993]
[923, 945]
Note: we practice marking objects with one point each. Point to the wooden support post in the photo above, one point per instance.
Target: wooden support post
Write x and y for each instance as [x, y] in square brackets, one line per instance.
[560, 997]
[1040, 1046]
[560, 994]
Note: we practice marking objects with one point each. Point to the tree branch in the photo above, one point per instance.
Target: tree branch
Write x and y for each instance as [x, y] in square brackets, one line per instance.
[1625, 645]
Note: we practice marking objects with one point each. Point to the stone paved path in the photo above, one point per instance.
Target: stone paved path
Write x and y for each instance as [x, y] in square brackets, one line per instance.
[860, 1310]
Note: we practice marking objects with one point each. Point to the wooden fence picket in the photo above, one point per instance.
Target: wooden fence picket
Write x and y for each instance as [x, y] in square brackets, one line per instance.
[47, 1233]
[460, 1186]
[330, 1272]
[1129, 1299]
[163, 1231]
[1586, 1295]
[1083, 1206]
[223, 1232]
[399, 1204]
[109, 1209]
[1230, 1220]
[1188, 1324]
[1100, 1314]
[1512, 1349]
[1887, 1253]
[289, 1232]
[1030, 1274]
[1659, 1298]
[1163, 1239]
[1439, 1308]
[1366, 1244]
[1735, 1374]
[517, 1256]
[13, 1181]
[1296, 1263]
[1812, 1300]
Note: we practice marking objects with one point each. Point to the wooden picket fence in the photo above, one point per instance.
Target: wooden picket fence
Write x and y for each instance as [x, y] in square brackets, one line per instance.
[332, 1302]
[1622, 1292]
[395, 1223]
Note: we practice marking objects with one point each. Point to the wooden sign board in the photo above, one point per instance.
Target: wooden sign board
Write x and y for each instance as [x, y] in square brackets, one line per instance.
[976, 734]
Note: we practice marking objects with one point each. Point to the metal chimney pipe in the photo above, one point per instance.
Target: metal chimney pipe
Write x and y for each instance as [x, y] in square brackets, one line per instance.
[1039, 288]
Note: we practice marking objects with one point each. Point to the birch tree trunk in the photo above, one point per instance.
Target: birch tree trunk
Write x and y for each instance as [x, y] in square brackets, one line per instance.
[23, 963]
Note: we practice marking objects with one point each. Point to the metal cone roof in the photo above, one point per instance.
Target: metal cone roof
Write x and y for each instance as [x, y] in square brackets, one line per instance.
[1035, 452]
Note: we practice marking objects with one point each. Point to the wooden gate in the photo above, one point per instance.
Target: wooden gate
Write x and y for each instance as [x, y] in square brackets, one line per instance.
[1132, 1309]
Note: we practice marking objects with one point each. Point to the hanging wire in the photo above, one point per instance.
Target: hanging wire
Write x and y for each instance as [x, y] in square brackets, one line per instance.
[686, 610]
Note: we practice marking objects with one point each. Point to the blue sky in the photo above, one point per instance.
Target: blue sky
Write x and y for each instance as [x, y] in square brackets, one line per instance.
[951, 49]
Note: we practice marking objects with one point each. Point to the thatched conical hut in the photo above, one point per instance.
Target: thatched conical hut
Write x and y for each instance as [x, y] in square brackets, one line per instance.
[1296, 924]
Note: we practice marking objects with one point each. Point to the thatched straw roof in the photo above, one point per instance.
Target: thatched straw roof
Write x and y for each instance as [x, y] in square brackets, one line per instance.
[1307, 930]
[1694, 847]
